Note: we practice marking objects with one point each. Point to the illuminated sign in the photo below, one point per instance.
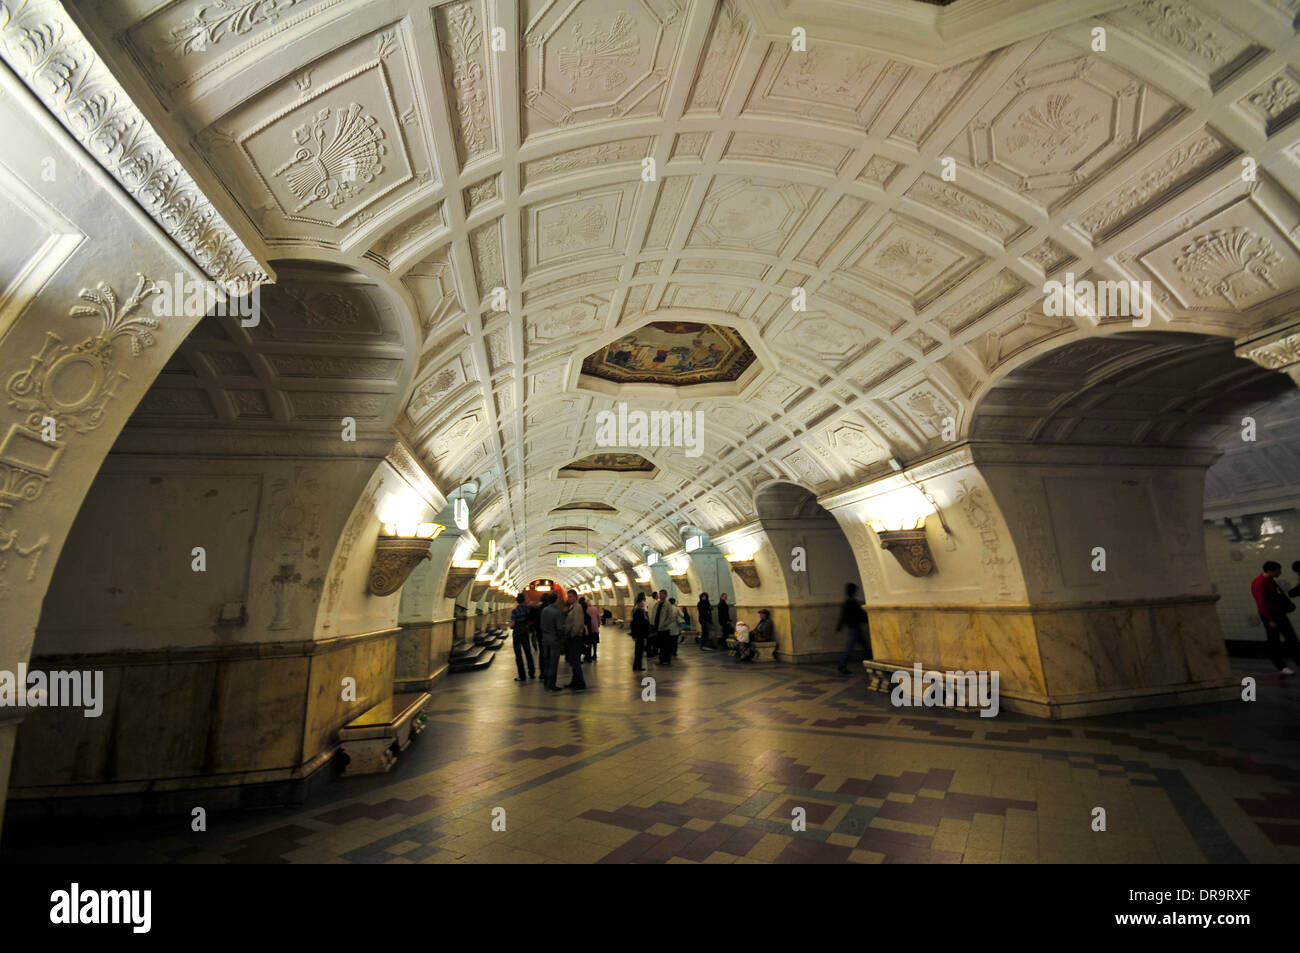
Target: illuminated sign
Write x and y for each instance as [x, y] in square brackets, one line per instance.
[460, 511]
[692, 543]
[575, 561]
[651, 559]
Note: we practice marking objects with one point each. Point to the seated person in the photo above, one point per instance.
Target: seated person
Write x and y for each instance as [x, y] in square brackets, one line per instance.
[765, 631]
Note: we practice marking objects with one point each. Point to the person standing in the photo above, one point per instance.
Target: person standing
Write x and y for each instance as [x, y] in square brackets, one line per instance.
[664, 641]
[1273, 606]
[704, 609]
[593, 632]
[575, 630]
[674, 626]
[853, 617]
[552, 627]
[535, 627]
[725, 625]
[640, 631]
[519, 636]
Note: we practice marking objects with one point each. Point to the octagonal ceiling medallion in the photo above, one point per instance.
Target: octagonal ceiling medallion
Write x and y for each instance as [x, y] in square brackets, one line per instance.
[676, 353]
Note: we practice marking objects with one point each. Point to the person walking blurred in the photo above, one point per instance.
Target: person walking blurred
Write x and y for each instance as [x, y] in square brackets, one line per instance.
[704, 609]
[853, 618]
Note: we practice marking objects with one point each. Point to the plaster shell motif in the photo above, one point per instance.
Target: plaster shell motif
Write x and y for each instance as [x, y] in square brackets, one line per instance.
[325, 159]
[1236, 259]
[1235, 264]
[47, 51]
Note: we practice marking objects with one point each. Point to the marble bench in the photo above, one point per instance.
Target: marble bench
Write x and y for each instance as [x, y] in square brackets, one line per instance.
[374, 738]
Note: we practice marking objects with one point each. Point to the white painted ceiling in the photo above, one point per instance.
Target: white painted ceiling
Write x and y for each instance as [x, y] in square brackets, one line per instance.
[386, 137]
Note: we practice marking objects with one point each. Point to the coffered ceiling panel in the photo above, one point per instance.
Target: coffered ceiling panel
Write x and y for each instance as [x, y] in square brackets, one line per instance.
[534, 180]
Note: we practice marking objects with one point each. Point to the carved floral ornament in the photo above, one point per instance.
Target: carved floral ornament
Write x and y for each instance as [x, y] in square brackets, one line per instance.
[67, 386]
[48, 52]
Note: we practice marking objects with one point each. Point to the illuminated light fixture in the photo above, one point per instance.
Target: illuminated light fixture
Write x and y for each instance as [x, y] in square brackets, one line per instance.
[400, 548]
[642, 574]
[576, 561]
[621, 578]
[492, 550]
[467, 563]
[908, 544]
[607, 583]
[411, 530]
[677, 572]
[743, 566]
[692, 543]
[541, 588]
[1270, 527]
[460, 513]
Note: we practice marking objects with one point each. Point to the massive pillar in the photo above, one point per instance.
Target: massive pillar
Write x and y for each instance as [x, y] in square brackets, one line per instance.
[798, 563]
[88, 302]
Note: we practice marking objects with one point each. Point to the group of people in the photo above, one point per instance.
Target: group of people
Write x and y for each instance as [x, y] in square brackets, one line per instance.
[570, 630]
[1274, 607]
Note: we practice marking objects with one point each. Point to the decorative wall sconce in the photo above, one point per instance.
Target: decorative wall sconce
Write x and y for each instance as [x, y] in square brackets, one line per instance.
[745, 569]
[400, 548]
[908, 545]
[461, 572]
[681, 581]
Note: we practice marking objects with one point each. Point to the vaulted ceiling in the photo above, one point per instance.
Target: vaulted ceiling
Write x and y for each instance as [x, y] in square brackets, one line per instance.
[439, 161]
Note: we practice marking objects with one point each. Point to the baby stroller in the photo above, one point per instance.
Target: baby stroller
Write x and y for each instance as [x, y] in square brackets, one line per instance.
[743, 651]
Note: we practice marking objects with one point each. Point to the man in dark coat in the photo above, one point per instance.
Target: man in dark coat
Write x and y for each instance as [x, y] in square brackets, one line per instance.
[853, 617]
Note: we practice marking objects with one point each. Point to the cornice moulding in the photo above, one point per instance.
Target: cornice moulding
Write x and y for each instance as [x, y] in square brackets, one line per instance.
[46, 49]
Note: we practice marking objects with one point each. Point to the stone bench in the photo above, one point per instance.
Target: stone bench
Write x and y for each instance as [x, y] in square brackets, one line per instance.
[374, 738]
[764, 651]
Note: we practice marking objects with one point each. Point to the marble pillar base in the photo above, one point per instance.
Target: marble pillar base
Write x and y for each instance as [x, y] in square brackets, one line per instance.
[1080, 705]
[213, 716]
[423, 655]
[1068, 660]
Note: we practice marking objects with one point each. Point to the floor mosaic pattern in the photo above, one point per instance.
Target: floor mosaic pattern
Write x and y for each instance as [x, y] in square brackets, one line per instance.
[714, 770]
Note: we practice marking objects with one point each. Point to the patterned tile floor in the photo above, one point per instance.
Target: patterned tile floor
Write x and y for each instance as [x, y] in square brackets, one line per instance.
[713, 769]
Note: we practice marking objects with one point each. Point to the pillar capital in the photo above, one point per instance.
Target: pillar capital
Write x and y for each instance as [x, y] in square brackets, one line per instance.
[1277, 349]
